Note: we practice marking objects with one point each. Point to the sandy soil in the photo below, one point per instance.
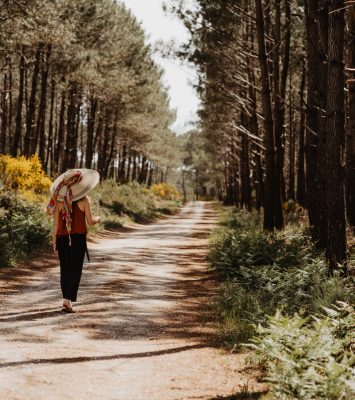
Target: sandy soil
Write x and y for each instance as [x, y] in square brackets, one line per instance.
[142, 328]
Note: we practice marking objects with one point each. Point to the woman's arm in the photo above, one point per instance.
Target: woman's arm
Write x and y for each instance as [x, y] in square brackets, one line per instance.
[88, 215]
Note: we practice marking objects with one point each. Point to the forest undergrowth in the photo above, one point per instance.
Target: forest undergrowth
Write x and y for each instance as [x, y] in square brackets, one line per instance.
[25, 228]
[277, 298]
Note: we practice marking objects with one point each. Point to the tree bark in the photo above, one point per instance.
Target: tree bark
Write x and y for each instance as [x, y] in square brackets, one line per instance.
[245, 169]
[312, 126]
[60, 135]
[301, 188]
[9, 123]
[268, 121]
[18, 119]
[41, 120]
[90, 132]
[4, 116]
[30, 120]
[113, 143]
[103, 149]
[278, 122]
[122, 173]
[134, 170]
[49, 159]
[291, 154]
[253, 123]
[350, 145]
[323, 91]
[70, 155]
[336, 245]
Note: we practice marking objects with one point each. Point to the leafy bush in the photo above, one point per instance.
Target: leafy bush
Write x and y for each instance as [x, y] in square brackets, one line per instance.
[23, 225]
[165, 191]
[263, 272]
[304, 357]
[240, 219]
[308, 357]
[243, 302]
[254, 248]
[23, 228]
[132, 200]
[24, 175]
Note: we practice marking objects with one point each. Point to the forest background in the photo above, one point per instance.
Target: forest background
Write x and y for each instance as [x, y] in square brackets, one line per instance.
[276, 137]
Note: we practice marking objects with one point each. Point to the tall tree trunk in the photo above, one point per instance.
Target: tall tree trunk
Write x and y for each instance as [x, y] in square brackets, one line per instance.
[268, 121]
[150, 175]
[9, 124]
[4, 115]
[50, 128]
[41, 119]
[291, 154]
[258, 170]
[283, 82]
[144, 171]
[90, 132]
[98, 132]
[301, 188]
[245, 169]
[81, 129]
[70, 155]
[26, 101]
[113, 143]
[30, 120]
[129, 168]
[18, 124]
[278, 121]
[134, 170]
[58, 153]
[122, 173]
[312, 126]
[322, 92]
[350, 145]
[336, 245]
[103, 154]
[77, 122]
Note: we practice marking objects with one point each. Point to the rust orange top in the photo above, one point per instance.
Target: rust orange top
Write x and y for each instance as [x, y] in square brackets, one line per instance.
[78, 224]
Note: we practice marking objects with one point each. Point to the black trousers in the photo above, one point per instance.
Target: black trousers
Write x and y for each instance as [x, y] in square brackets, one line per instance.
[71, 263]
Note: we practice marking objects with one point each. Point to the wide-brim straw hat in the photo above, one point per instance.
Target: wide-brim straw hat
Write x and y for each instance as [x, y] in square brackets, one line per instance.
[90, 178]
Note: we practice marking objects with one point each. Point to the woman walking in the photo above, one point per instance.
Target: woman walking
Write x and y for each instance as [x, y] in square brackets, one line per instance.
[71, 210]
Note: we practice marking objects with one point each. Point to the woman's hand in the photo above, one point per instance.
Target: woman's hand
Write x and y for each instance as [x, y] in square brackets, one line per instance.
[54, 246]
[97, 219]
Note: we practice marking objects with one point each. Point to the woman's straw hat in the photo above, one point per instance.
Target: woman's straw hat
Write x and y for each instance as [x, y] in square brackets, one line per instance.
[89, 179]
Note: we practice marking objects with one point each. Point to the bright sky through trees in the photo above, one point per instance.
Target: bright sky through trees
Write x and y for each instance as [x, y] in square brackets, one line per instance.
[161, 26]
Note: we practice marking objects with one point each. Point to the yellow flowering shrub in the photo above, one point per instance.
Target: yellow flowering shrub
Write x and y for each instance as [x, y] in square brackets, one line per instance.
[165, 191]
[25, 175]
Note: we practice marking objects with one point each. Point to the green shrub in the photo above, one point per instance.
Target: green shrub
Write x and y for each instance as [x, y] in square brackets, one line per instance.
[132, 200]
[24, 228]
[304, 357]
[240, 304]
[238, 309]
[255, 248]
[308, 357]
[263, 272]
[241, 219]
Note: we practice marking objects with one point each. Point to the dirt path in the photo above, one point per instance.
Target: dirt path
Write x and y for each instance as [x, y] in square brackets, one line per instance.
[141, 329]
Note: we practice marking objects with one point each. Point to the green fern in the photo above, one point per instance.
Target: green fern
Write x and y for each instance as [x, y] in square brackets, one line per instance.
[308, 357]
